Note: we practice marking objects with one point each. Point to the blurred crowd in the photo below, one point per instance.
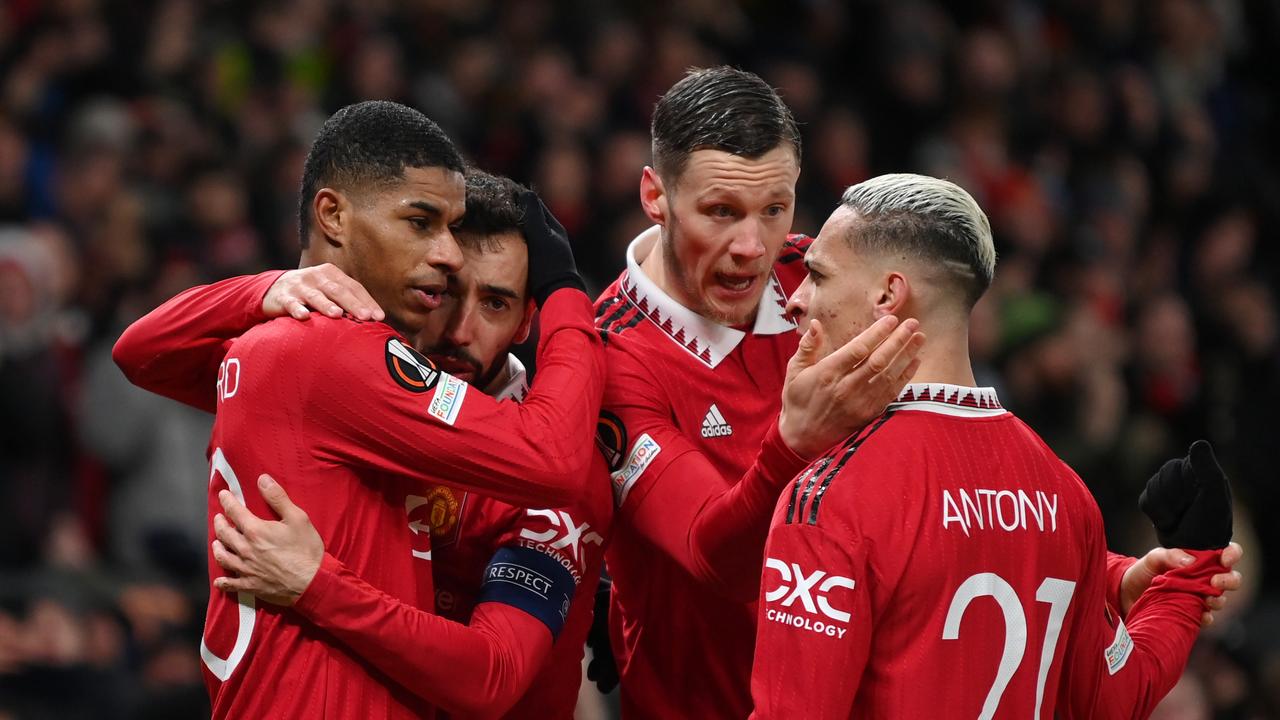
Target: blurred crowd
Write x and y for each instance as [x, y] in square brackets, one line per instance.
[1125, 151]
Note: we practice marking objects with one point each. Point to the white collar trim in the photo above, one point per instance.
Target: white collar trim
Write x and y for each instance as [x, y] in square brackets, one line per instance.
[947, 399]
[517, 384]
[705, 339]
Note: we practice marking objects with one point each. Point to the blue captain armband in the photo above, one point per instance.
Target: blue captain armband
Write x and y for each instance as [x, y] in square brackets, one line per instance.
[531, 581]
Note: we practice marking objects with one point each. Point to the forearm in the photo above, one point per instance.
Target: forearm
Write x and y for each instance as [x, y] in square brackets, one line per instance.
[718, 533]
[175, 349]
[1162, 625]
[479, 669]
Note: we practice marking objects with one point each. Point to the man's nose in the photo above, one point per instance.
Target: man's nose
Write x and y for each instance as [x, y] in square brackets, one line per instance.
[444, 253]
[748, 241]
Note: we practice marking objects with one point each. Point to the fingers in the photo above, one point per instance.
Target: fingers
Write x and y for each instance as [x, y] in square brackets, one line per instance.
[907, 354]
[1227, 582]
[279, 500]
[1161, 560]
[319, 300]
[297, 309]
[228, 560]
[1231, 555]
[341, 292]
[1206, 619]
[857, 350]
[237, 512]
[810, 349]
[230, 537]
[889, 360]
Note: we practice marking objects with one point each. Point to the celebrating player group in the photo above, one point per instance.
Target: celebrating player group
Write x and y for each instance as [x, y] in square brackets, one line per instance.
[774, 444]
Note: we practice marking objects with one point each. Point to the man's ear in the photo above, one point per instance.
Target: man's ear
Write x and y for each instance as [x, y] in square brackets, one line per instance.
[654, 197]
[522, 332]
[331, 210]
[895, 293]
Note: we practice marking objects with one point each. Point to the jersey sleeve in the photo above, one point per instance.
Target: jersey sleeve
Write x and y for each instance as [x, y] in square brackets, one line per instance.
[669, 492]
[1122, 668]
[1117, 566]
[374, 402]
[481, 668]
[543, 556]
[175, 350]
[814, 614]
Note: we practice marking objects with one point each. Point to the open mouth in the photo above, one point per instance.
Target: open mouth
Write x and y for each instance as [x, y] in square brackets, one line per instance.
[736, 284]
[429, 295]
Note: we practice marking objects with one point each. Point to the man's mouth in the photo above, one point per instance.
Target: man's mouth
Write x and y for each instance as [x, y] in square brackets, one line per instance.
[736, 284]
[457, 367]
[430, 295]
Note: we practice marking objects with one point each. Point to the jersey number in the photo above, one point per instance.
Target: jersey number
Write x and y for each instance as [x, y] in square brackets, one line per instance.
[1056, 592]
[223, 667]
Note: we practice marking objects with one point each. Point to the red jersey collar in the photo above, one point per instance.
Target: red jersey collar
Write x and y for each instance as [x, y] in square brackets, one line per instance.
[949, 399]
[705, 339]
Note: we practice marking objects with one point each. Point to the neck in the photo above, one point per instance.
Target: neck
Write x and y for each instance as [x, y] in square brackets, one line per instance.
[945, 357]
[654, 265]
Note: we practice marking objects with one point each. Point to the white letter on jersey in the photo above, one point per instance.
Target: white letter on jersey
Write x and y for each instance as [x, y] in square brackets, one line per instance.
[951, 512]
[221, 668]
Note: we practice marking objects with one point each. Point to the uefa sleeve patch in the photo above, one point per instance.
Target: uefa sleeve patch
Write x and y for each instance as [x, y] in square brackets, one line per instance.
[409, 368]
[642, 453]
[446, 403]
[1117, 653]
[530, 581]
[611, 438]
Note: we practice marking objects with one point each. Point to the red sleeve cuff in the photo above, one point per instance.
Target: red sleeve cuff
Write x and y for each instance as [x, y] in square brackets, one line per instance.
[322, 587]
[777, 459]
[260, 287]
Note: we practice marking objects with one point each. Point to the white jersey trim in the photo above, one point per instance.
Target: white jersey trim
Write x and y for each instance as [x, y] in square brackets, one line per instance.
[948, 399]
[705, 339]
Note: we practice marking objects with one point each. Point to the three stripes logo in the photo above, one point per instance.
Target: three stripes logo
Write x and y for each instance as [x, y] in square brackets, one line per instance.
[714, 425]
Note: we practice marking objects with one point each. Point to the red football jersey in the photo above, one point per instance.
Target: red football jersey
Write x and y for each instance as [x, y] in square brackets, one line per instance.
[679, 385]
[357, 426]
[468, 531]
[944, 561]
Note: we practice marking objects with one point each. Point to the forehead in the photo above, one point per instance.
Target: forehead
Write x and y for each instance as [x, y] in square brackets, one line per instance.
[831, 248]
[716, 171]
[507, 266]
[440, 187]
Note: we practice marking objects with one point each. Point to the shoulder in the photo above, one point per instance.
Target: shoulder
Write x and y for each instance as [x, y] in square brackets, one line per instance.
[288, 335]
[789, 267]
[615, 311]
[865, 465]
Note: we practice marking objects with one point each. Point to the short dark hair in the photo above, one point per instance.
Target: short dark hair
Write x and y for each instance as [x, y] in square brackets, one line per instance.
[719, 108]
[371, 143]
[493, 207]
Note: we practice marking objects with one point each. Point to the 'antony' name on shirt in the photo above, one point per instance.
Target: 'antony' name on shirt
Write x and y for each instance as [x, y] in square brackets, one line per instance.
[1007, 510]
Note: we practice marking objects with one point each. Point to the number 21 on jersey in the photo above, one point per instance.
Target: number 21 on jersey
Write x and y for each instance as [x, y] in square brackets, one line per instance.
[1053, 591]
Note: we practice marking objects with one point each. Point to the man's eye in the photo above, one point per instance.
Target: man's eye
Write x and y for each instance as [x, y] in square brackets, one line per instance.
[721, 211]
[496, 304]
[775, 210]
[419, 223]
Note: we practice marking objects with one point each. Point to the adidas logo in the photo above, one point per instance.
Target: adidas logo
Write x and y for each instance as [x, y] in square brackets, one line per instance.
[713, 425]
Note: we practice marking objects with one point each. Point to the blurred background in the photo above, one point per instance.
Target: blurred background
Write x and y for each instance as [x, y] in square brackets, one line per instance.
[1125, 151]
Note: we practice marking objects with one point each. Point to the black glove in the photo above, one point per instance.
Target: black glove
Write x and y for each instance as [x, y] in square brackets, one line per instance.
[602, 670]
[1189, 501]
[551, 264]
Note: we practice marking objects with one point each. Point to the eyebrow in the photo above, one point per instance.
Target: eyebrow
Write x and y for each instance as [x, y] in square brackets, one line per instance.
[425, 207]
[500, 290]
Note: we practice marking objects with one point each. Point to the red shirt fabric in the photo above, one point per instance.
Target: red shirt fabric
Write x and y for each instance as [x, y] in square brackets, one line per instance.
[468, 529]
[357, 428]
[690, 407]
[945, 561]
